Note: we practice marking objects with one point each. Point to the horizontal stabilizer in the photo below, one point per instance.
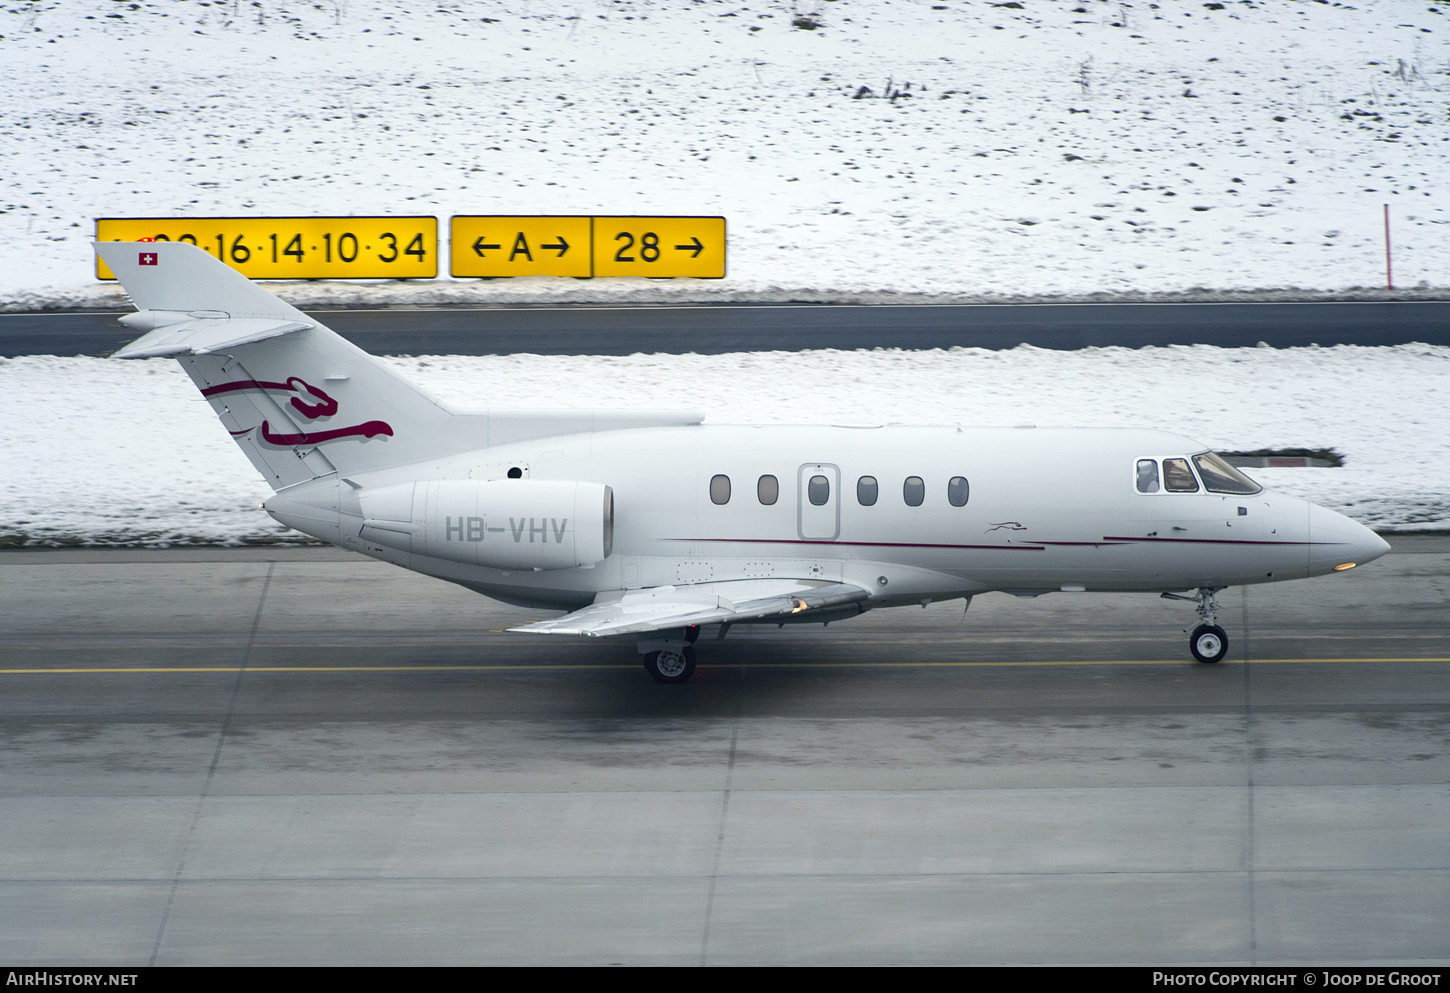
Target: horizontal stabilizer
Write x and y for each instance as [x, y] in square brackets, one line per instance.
[177, 276]
[202, 336]
[733, 601]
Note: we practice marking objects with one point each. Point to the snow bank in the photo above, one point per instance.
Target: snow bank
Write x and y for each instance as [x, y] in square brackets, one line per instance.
[107, 452]
[893, 151]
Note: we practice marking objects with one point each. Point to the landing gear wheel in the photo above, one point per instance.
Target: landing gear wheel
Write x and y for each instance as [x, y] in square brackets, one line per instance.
[1209, 643]
[671, 665]
[692, 633]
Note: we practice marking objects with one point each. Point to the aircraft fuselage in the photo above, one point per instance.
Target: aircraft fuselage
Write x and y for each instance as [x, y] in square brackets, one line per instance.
[1041, 510]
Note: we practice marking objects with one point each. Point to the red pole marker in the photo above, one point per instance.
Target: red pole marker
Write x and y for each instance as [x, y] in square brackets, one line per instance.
[1389, 271]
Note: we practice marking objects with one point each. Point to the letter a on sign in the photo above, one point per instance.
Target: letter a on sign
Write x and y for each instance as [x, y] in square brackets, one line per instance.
[146, 258]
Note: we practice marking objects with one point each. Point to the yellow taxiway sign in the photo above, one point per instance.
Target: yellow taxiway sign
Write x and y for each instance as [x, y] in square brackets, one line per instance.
[660, 246]
[546, 245]
[520, 246]
[295, 247]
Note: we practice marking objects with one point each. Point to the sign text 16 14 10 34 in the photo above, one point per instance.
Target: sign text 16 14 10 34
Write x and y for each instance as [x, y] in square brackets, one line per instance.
[295, 247]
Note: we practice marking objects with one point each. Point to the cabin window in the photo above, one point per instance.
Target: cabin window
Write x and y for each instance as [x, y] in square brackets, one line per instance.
[720, 489]
[1220, 477]
[768, 489]
[1177, 477]
[913, 491]
[818, 491]
[867, 490]
[957, 491]
[1147, 475]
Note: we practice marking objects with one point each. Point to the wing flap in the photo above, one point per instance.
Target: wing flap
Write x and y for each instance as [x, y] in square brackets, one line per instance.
[658, 608]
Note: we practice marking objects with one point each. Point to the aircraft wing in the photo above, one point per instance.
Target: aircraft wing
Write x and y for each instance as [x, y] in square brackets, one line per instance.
[662, 607]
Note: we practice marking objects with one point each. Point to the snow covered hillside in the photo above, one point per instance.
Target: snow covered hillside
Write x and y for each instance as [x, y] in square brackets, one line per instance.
[858, 147]
[110, 452]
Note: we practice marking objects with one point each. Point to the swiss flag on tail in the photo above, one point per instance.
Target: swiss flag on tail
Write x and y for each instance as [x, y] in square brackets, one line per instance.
[146, 258]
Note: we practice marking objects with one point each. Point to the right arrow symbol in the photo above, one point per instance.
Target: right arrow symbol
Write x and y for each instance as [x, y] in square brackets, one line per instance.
[561, 247]
[479, 246]
[695, 249]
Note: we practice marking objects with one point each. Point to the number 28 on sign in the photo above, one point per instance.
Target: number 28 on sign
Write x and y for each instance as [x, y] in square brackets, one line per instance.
[659, 246]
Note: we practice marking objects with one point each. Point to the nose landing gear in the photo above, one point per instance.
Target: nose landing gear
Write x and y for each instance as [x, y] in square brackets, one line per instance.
[1208, 642]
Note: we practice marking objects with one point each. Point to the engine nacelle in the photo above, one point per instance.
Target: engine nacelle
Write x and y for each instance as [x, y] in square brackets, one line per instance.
[501, 523]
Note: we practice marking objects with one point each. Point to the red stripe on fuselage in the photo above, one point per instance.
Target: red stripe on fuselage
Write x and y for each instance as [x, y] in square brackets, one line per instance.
[1219, 541]
[862, 544]
[1109, 540]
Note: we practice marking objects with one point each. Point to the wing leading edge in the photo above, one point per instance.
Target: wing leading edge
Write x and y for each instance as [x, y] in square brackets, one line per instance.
[662, 607]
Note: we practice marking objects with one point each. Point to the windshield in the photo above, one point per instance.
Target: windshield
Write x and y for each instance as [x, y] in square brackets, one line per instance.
[1220, 477]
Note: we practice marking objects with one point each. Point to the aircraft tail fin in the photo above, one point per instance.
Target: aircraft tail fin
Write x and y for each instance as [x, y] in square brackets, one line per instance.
[178, 278]
[300, 400]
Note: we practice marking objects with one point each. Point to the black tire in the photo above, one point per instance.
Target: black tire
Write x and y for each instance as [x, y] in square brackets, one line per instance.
[1208, 643]
[692, 633]
[673, 665]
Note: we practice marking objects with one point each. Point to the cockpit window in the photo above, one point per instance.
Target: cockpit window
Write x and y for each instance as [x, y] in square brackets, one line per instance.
[1147, 475]
[1177, 477]
[1220, 477]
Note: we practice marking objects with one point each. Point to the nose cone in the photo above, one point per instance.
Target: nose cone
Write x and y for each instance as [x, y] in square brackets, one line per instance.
[1338, 543]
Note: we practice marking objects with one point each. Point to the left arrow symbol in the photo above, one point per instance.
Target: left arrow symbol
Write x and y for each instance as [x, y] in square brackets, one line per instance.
[562, 246]
[479, 246]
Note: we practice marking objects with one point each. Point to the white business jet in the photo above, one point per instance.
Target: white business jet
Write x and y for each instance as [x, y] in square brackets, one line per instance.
[653, 524]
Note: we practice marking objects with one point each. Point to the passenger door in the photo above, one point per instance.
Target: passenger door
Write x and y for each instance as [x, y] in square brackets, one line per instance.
[818, 499]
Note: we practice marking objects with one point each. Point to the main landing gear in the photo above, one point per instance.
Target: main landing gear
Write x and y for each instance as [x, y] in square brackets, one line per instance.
[671, 660]
[671, 664]
[1208, 642]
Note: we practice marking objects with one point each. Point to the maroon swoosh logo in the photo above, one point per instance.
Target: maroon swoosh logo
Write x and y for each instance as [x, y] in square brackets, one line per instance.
[370, 429]
[324, 405]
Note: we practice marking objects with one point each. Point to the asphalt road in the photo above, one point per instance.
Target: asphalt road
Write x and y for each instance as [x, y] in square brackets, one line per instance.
[708, 330]
[279, 757]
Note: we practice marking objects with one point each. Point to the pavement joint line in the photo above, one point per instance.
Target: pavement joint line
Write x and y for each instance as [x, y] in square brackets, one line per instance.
[211, 771]
[717, 861]
[775, 665]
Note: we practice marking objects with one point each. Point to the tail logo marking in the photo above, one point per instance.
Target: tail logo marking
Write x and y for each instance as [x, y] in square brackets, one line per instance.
[325, 406]
[146, 258]
[321, 405]
[370, 429]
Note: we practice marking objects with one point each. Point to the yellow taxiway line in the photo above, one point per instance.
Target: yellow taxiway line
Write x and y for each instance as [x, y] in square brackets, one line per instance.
[769, 665]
